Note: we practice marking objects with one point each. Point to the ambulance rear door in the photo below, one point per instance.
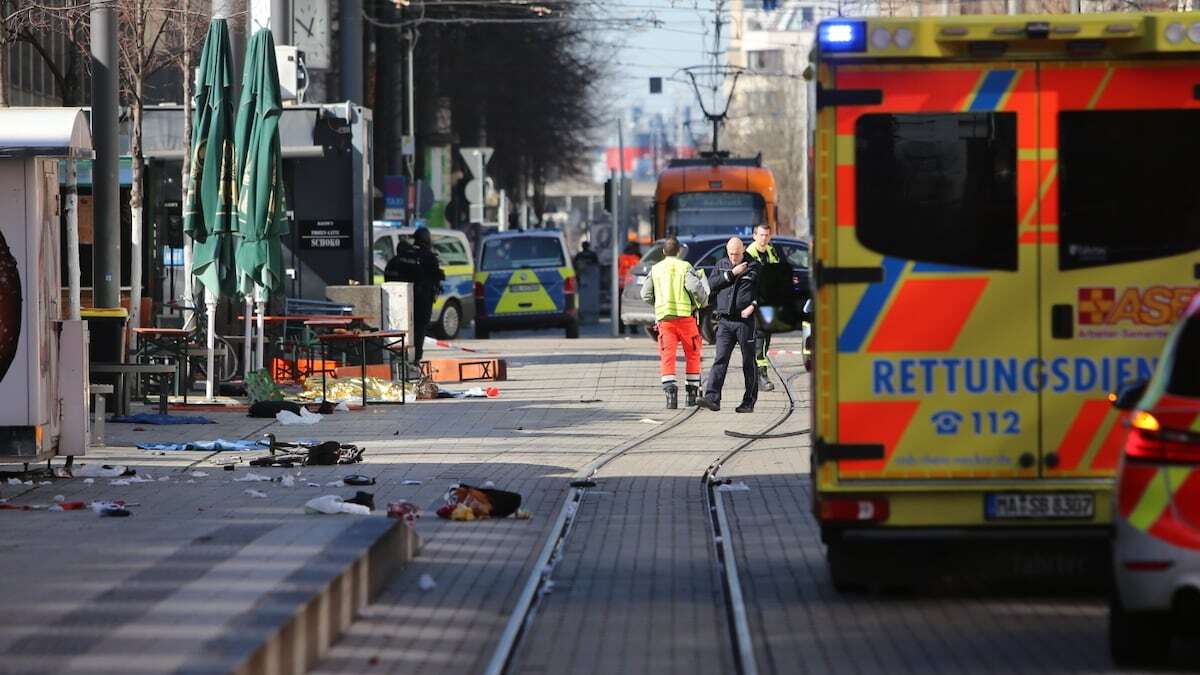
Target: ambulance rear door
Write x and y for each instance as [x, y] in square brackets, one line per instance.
[935, 295]
[1119, 238]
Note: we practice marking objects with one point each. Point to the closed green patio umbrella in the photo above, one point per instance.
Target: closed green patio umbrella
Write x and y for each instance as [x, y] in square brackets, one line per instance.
[208, 215]
[261, 209]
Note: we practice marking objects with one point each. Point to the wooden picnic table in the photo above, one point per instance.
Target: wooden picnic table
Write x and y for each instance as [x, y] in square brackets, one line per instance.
[174, 342]
[158, 370]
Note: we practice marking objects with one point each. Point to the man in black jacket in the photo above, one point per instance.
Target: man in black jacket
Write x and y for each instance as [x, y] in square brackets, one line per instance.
[418, 265]
[734, 285]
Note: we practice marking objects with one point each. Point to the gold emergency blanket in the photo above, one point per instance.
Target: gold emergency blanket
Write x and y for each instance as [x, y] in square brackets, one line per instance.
[350, 389]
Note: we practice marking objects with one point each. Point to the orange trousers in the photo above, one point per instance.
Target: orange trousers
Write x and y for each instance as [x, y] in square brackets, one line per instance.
[676, 331]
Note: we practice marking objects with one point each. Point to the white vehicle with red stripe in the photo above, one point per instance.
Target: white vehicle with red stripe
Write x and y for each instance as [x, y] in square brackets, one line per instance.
[1157, 551]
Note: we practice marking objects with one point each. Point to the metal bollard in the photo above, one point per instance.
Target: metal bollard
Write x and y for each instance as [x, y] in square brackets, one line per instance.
[98, 422]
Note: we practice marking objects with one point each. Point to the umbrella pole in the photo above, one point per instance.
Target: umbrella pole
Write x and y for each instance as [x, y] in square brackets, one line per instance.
[210, 301]
[248, 366]
[260, 354]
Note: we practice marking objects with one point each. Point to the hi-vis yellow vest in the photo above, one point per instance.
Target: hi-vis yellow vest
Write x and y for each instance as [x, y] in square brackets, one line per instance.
[671, 298]
[757, 255]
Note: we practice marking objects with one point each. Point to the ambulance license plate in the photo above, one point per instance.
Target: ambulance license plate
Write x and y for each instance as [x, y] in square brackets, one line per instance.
[524, 288]
[1018, 505]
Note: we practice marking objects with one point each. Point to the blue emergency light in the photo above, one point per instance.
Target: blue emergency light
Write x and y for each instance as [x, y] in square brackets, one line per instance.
[843, 36]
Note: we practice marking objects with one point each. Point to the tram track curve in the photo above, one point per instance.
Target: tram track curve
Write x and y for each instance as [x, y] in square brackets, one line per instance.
[539, 579]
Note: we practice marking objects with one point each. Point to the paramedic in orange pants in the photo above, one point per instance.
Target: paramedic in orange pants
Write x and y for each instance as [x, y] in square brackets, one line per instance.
[674, 288]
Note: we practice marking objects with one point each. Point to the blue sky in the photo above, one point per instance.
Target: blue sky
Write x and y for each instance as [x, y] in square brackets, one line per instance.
[642, 50]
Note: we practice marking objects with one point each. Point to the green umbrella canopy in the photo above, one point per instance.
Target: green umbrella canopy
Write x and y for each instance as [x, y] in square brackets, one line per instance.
[208, 215]
[261, 211]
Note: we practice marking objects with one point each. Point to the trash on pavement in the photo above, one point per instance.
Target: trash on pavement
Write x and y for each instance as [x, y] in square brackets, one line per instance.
[257, 494]
[426, 583]
[331, 504]
[269, 409]
[120, 482]
[523, 514]
[286, 417]
[410, 482]
[156, 418]
[219, 445]
[252, 477]
[647, 420]
[406, 511]
[108, 509]
[464, 502]
[288, 481]
[89, 481]
[105, 470]
[362, 499]
[479, 392]
[358, 479]
[198, 474]
[733, 487]
[342, 407]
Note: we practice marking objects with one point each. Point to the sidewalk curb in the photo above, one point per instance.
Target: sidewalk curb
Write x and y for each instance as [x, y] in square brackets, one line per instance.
[291, 628]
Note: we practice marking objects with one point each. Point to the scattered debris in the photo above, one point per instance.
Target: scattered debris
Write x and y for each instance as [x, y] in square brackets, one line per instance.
[733, 487]
[257, 494]
[252, 477]
[331, 504]
[288, 481]
[199, 474]
[156, 418]
[363, 499]
[647, 420]
[464, 502]
[410, 482]
[105, 470]
[58, 499]
[288, 418]
[108, 509]
[406, 511]
[89, 481]
[426, 583]
[523, 514]
[358, 479]
[120, 482]
[219, 445]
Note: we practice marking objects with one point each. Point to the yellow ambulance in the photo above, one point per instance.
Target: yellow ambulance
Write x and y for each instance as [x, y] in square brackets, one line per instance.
[1006, 224]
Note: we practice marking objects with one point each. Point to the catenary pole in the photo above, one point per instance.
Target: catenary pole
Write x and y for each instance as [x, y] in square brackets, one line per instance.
[618, 233]
[106, 250]
[281, 22]
[350, 51]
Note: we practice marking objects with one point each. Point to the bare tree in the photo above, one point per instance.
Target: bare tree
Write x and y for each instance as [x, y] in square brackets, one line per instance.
[763, 119]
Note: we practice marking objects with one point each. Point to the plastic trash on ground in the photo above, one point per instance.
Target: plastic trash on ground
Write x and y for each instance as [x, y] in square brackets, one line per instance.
[406, 511]
[102, 470]
[464, 502]
[252, 477]
[333, 504]
[426, 583]
[733, 487]
[257, 494]
[288, 418]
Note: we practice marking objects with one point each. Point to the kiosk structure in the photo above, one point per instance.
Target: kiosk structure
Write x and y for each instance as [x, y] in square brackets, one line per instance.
[43, 358]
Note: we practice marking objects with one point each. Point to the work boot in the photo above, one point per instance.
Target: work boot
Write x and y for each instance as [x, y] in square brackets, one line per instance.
[672, 397]
[693, 392]
[764, 382]
[745, 408]
[708, 404]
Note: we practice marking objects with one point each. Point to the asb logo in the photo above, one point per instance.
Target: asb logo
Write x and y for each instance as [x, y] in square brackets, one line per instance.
[1152, 306]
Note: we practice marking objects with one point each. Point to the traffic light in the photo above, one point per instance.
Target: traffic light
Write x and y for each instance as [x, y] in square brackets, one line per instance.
[608, 195]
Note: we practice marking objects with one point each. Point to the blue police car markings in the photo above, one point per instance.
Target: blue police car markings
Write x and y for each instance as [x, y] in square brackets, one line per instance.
[1000, 375]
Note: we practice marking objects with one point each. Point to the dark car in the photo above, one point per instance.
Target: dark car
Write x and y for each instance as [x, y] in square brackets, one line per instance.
[703, 252]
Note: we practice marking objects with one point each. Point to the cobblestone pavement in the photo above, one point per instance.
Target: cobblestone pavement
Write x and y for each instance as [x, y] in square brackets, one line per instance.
[637, 589]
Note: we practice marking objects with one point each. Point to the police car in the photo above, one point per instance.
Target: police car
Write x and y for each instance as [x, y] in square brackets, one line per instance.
[525, 280]
[1157, 550]
[703, 252]
[455, 304]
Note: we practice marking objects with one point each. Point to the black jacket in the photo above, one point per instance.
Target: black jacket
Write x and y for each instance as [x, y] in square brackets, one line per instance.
[733, 294]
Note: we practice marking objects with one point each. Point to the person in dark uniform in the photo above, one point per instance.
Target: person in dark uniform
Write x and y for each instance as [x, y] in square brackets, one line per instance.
[775, 287]
[734, 284]
[417, 264]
